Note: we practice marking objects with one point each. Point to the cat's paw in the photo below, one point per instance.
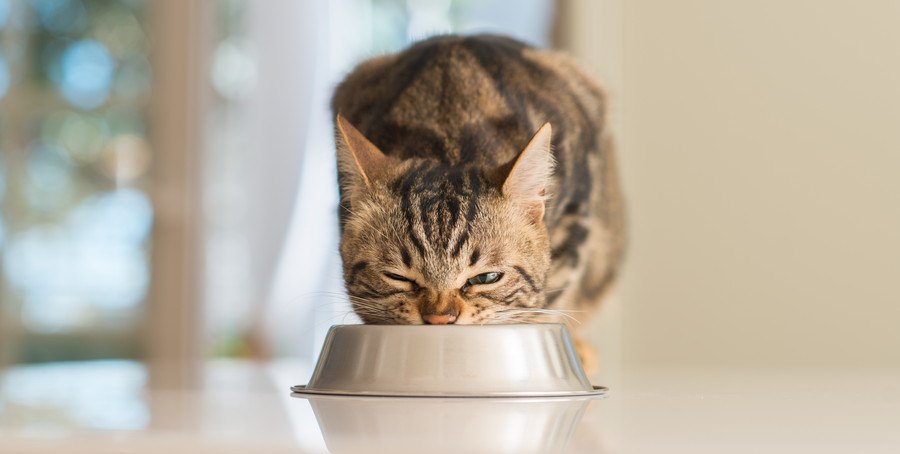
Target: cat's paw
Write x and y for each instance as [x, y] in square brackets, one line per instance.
[590, 361]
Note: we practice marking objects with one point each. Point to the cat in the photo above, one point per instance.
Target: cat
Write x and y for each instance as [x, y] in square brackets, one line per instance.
[478, 185]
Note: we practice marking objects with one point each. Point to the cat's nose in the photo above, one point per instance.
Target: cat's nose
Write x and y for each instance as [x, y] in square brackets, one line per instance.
[448, 317]
[435, 319]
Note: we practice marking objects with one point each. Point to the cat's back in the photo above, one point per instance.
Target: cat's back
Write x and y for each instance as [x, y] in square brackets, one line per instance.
[470, 99]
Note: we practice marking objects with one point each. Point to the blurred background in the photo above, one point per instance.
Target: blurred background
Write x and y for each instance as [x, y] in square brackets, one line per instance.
[168, 182]
[167, 189]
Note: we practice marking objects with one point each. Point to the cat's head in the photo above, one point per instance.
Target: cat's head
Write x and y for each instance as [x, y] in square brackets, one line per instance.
[424, 242]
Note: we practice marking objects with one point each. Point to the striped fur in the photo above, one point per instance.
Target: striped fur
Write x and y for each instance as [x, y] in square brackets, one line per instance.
[451, 116]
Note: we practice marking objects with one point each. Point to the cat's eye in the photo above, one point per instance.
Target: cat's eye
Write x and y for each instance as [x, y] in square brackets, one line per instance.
[484, 278]
[397, 277]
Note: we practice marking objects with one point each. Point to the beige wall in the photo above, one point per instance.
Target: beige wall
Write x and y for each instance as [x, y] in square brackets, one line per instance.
[761, 154]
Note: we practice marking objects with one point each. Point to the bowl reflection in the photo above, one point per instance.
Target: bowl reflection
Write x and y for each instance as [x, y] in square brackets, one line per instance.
[403, 424]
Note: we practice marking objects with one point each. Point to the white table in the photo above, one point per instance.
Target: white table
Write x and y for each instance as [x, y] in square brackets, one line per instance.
[101, 407]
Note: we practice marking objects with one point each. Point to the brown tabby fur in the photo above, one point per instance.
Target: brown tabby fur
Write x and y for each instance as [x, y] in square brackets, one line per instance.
[427, 196]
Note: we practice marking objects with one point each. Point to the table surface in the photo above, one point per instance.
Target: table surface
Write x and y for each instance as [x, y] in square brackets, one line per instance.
[106, 406]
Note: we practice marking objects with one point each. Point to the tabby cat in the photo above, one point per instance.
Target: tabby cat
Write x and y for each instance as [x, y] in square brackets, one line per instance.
[478, 185]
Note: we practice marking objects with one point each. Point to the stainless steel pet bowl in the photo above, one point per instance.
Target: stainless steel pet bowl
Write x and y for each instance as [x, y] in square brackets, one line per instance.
[534, 360]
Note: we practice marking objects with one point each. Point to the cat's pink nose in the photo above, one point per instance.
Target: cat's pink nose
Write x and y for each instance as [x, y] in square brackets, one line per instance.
[434, 319]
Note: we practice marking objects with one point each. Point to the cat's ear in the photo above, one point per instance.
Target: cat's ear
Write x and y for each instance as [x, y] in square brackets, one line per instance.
[358, 158]
[526, 183]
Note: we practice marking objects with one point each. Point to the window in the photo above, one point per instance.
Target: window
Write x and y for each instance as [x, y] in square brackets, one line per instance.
[74, 163]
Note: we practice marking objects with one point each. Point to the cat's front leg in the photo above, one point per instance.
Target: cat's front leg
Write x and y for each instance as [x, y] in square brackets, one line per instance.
[586, 352]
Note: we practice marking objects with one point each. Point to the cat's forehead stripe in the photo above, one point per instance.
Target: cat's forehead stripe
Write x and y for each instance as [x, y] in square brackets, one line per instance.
[433, 199]
[406, 205]
[476, 254]
[404, 255]
[470, 217]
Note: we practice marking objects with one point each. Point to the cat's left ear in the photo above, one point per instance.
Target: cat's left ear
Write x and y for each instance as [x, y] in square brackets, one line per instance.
[527, 181]
[359, 158]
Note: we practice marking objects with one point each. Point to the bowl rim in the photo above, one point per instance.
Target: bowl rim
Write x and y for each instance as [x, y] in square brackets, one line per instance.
[452, 326]
[303, 391]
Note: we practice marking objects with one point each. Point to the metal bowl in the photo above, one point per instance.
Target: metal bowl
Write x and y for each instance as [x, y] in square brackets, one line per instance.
[535, 360]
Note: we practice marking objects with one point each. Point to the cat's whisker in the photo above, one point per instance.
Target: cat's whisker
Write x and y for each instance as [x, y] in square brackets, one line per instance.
[529, 315]
[347, 299]
[553, 313]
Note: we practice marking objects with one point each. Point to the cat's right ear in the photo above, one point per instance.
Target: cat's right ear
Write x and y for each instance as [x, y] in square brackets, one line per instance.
[526, 183]
[358, 158]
